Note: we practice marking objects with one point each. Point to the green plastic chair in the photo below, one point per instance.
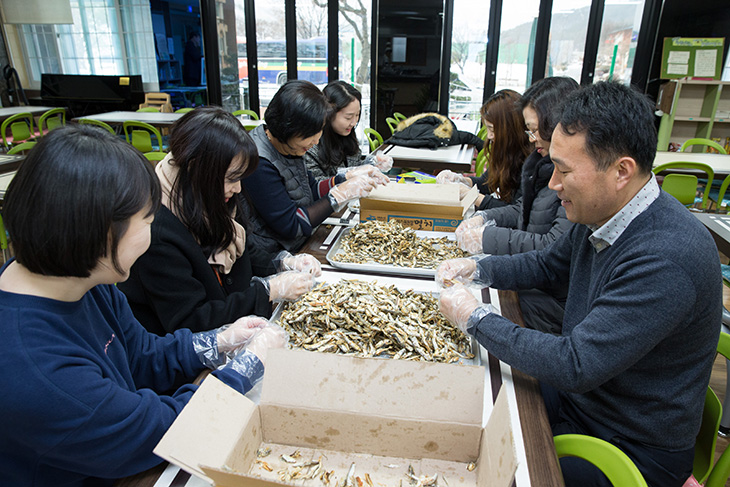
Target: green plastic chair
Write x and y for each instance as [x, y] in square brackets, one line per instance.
[25, 146]
[253, 115]
[680, 187]
[52, 119]
[149, 109]
[392, 124]
[482, 134]
[3, 240]
[139, 134]
[481, 163]
[374, 138]
[702, 468]
[184, 110]
[399, 116]
[155, 156]
[609, 459]
[721, 193]
[21, 128]
[98, 123]
[701, 141]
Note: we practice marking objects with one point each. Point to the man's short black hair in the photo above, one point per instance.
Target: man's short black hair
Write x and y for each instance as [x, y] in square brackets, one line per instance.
[545, 96]
[71, 200]
[617, 121]
[298, 109]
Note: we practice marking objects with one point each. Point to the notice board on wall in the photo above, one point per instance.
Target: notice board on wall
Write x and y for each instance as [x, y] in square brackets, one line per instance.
[692, 57]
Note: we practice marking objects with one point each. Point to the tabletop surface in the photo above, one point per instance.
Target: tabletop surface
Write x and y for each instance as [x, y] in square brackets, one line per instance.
[720, 163]
[535, 450]
[6, 112]
[153, 118]
[719, 227]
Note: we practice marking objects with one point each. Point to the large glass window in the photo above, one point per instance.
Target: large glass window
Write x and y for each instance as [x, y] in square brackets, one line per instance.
[354, 59]
[242, 60]
[312, 41]
[106, 38]
[617, 46]
[468, 54]
[516, 44]
[568, 28]
[227, 39]
[271, 45]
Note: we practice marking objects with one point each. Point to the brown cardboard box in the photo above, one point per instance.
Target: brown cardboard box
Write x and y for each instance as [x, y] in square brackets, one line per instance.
[434, 207]
[380, 415]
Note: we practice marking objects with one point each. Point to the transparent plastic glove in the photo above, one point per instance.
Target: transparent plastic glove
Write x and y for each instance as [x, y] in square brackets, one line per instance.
[214, 347]
[289, 285]
[477, 220]
[463, 189]
[272, 336]
[352, 189]
[285, 261]
[457, 303]
[464, 271]
[470, 240]
[368, 171]
[383, 162]
[447, 177]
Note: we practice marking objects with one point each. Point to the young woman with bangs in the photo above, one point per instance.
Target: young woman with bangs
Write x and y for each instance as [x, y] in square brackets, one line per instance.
[197, 273]
[507, 146]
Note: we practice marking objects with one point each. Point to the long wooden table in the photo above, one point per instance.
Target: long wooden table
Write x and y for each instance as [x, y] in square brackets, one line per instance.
[8, 112]
[534, 441]
[720, 163]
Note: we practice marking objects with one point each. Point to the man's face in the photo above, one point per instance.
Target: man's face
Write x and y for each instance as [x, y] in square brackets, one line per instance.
[588, 195]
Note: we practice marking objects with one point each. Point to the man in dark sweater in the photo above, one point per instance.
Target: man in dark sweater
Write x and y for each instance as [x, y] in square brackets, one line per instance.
[643, 311]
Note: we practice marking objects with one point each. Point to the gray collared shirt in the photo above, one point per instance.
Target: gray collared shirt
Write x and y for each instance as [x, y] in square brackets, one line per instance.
[610, 231]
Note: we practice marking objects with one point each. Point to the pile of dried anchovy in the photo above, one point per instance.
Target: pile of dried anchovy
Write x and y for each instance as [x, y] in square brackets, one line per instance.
[367, 320]
[392, 243]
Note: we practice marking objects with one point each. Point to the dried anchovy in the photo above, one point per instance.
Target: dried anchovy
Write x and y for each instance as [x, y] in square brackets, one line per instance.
[392, 243]
[367, 320]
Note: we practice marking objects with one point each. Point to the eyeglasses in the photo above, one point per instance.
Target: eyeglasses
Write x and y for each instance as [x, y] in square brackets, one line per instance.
[532, 135]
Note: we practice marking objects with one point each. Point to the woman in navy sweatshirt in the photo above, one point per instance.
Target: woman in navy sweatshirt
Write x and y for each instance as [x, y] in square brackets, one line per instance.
[83, 383]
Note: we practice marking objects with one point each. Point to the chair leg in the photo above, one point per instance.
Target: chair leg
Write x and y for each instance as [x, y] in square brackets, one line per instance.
[725, 420]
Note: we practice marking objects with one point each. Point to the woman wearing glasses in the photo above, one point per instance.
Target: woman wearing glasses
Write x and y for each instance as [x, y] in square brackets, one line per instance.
[506, 148]
[284, 202]
[537, 219]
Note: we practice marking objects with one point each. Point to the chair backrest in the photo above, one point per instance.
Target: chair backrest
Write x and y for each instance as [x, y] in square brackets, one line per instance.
[723, 190]
[155, 157]
[681, 186]
[609, 459]
[702, 468]
[98, 123]
[696, 166]
[481, 163]
[252, 115]
[399, 116]
[701, 141]
[25, 146]
[161, 101]
[184, 110]
[374, 138]
[52, 119]
[3, 240]
[392, 124]
[482, 134]
[139, 134]
[21, 128]
[148, 109]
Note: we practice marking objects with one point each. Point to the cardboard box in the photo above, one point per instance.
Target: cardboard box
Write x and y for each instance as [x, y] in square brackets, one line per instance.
[380, 415]
[434, 207]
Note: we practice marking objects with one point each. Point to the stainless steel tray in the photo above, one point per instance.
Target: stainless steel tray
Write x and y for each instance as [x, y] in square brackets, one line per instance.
[383, 268]
[475, 349]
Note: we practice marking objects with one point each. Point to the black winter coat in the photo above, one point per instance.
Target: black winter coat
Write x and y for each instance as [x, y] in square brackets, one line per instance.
[173, 286]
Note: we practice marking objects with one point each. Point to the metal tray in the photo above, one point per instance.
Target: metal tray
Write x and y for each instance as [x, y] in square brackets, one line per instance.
[384, 268]
[475, 349]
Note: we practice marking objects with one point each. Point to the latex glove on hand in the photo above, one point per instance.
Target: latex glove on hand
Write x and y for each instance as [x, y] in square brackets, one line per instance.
[446, 177]
[215, 347]
[285, 261]
[272, 336]
[463, 189]
[457, 303]
[368, 171]
[250, 362]
[383, 162]
[470, 240]
[477, 220]
[453, 271]
[289, 285]
[352, 189]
